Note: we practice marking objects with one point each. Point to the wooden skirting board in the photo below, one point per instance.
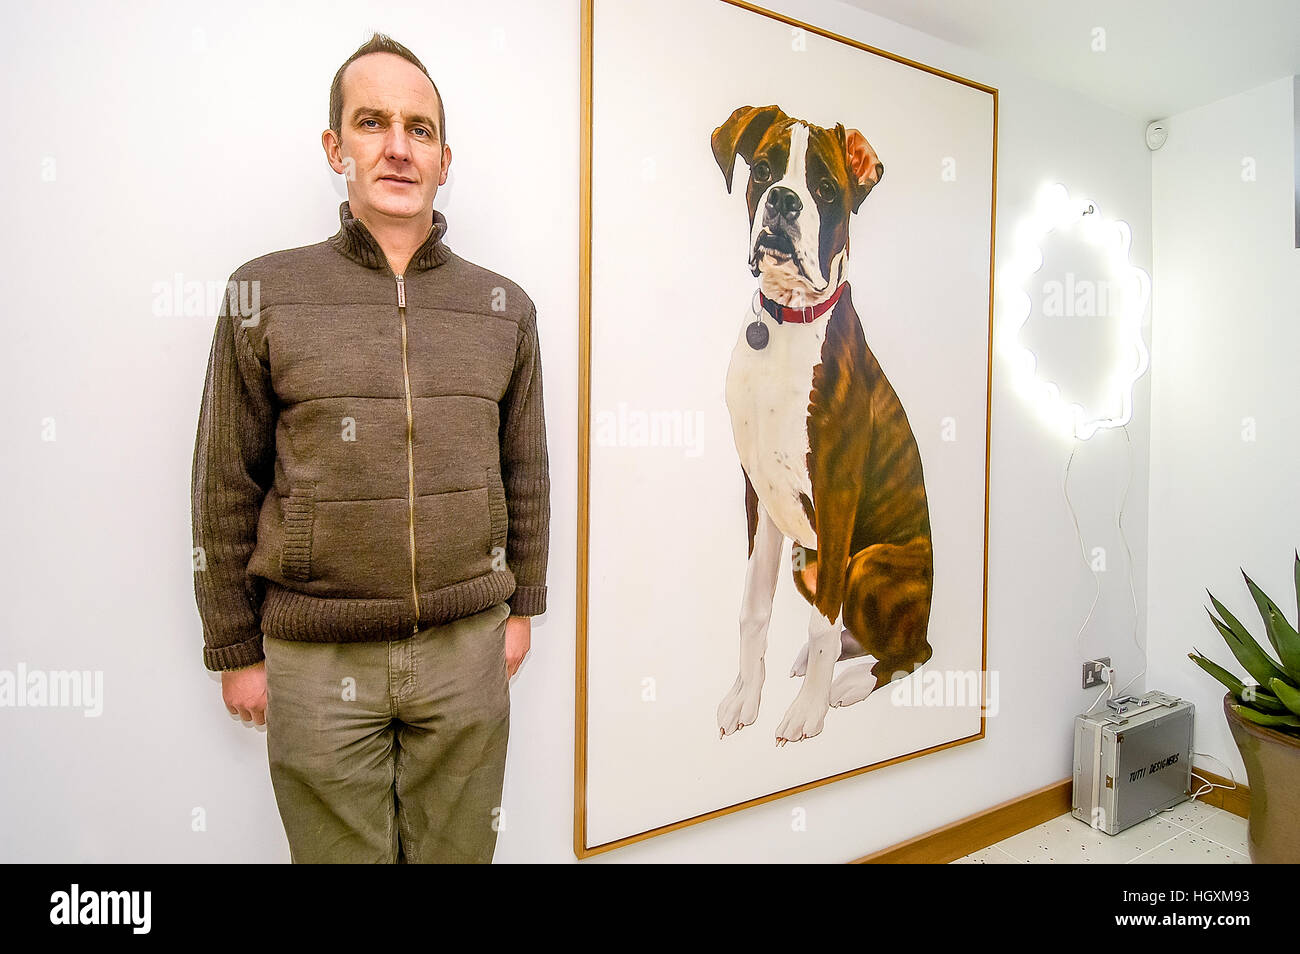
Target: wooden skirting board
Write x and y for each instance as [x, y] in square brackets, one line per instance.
[990, 826]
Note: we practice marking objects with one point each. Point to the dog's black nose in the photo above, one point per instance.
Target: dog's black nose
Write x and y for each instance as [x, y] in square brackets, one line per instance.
[783, 201]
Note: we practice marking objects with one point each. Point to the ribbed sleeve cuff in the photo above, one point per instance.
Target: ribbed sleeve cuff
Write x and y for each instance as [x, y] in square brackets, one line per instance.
[234, 656]
[528, 601]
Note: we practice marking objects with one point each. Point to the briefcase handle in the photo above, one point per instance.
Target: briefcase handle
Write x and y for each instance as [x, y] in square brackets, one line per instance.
[1119, 705]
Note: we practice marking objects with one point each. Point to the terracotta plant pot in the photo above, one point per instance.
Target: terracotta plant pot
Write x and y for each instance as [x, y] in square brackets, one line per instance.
[1272, 761]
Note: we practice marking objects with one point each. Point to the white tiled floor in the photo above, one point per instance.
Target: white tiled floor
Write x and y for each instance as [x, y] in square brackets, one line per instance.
[1192, 833]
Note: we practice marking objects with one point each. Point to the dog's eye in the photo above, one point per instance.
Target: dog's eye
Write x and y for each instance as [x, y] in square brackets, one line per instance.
[826, 190]
[761, 172]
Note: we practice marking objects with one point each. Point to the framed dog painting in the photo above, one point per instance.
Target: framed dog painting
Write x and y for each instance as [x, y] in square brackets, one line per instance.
[787, 246]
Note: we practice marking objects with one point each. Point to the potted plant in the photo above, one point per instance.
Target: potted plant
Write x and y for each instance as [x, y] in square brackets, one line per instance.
[1265, 721]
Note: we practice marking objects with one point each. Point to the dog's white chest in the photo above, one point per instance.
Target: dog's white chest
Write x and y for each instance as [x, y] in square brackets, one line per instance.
[767, 396]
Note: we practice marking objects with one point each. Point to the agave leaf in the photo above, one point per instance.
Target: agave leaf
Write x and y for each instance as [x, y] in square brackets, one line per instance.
[1260, 718]
[1289, 696]
[1280, 632]
[1297, 588]
[1259, 699]
[1235, 685]
[1262, 700]
[1253, 659]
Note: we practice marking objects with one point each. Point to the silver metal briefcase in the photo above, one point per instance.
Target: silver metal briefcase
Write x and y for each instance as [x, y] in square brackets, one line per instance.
[1132, 760]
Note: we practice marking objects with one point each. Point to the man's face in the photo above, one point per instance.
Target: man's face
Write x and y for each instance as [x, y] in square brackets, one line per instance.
[391, 140]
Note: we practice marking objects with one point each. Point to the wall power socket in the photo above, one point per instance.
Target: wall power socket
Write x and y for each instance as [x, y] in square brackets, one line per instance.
[1094, 672]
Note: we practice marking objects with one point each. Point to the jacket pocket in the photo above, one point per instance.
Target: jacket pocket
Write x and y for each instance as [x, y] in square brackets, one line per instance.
[453, 532]
[299, 517]
[499, 515]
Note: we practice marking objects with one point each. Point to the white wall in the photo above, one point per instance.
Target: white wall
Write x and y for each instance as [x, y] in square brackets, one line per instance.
[1225, 349]
[187, 140]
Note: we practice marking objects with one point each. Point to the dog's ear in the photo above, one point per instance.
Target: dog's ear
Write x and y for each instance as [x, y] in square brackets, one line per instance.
[741, 134]
[865, 168]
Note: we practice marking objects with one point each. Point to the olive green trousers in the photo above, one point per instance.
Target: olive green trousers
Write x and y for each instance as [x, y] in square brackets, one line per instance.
[391, 752]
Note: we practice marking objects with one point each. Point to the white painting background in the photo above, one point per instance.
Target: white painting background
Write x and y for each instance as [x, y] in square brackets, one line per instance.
[670, 294]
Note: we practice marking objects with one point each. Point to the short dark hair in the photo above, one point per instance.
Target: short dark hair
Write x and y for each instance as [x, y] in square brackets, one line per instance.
[379, 43]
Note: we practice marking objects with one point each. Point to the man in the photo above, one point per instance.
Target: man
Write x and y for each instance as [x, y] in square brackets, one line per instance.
[371, 499]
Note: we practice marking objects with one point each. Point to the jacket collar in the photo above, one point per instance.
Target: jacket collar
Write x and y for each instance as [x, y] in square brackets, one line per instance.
[355, 241]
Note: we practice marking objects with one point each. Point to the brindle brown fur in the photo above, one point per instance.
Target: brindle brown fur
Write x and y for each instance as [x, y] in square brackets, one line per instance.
[874, 559]
[876, 565]
[873, 521]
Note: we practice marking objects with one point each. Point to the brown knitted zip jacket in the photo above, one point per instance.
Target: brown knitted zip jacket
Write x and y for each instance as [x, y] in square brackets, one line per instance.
[371, 450]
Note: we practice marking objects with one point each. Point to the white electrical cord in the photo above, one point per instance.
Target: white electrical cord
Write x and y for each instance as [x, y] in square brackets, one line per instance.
[1108, 692]
[1083, 551]
[1211, 785]
[1208, 786]
[1129, 552]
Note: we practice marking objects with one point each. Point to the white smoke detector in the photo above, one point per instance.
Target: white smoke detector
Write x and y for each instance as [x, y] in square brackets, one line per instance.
[1157, 133]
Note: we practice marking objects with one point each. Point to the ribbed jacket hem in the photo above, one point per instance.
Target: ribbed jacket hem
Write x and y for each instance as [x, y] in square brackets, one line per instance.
[292, 615]
[528, 601]
[234, 656]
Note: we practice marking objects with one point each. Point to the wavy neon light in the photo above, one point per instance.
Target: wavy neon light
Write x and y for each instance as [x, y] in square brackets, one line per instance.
[1057, 212]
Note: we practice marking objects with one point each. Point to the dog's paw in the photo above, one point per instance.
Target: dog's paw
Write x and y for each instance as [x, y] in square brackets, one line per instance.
[803, 719]
[852, 685]
[739, 707]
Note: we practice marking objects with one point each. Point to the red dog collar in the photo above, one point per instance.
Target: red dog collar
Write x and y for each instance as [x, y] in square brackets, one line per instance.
[799, 316]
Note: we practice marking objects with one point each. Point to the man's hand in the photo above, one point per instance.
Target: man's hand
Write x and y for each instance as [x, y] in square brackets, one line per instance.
[519, 637]
[244, 692]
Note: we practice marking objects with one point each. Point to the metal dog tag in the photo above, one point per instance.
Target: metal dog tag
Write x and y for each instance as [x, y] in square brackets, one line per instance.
[756, 335]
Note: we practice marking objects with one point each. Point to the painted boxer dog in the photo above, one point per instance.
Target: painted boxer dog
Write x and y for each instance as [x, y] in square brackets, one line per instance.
[827, 452]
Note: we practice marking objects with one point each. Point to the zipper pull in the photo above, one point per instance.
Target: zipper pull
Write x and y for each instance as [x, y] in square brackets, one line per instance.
[401, 292]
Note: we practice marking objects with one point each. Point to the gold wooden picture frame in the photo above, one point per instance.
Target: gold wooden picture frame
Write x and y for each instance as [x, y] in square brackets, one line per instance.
[669, 327]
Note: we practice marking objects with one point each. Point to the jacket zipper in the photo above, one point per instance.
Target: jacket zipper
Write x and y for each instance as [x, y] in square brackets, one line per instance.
[410, 449]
